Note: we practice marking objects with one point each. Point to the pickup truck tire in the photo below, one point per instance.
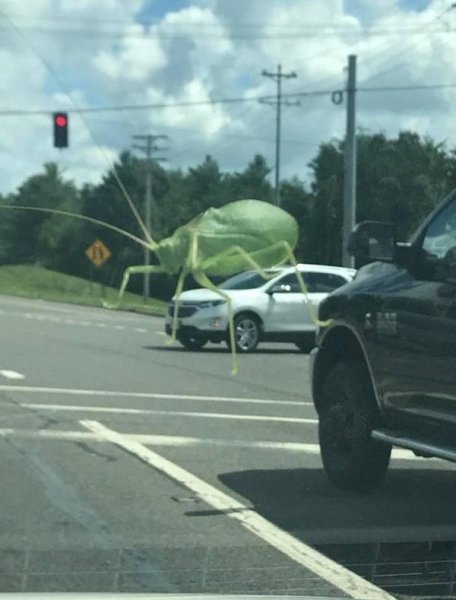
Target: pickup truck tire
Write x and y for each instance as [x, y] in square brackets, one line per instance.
[347, 414]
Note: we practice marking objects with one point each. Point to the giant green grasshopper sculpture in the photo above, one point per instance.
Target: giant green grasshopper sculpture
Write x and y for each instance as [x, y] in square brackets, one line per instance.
[246, 234]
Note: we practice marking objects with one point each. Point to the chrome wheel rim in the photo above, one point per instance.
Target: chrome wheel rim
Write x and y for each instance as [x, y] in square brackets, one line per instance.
[246, 334]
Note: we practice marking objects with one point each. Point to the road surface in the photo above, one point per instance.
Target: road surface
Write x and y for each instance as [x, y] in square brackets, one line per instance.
[131, 465]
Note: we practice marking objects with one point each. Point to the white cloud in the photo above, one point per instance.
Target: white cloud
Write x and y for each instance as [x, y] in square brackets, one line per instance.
[214, 49]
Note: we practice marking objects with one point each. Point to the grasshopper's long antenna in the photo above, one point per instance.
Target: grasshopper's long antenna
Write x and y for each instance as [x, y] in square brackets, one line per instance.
[76, 108]
[150, 246]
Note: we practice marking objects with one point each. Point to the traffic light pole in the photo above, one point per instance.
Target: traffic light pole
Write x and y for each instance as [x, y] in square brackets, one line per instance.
[148, 148]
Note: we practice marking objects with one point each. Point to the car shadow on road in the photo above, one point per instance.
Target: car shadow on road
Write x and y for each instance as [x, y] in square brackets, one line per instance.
[402, 536]
[303, 502]
[223, 350]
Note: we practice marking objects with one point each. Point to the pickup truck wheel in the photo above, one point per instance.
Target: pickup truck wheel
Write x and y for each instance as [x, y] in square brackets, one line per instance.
[192, 342]
[348, 413]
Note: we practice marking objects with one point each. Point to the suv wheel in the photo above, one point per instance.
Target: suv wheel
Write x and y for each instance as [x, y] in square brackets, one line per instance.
[192, 342]
[246, 332]
[347, 415]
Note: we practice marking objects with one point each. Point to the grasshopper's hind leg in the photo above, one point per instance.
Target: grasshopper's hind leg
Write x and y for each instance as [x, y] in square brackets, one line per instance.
[177, 293]
[204, 281]
[139, 270]
[302, 285]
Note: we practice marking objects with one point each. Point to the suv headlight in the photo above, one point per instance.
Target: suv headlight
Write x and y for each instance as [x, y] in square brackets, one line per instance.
[210, 303]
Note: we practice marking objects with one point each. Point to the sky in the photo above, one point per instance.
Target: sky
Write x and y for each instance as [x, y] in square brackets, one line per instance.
[79, 54]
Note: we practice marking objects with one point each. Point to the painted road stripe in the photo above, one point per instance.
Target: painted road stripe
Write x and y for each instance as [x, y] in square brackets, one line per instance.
[164, 413]
[184, 441]
[11, 374]
[153, 396]
[335, 574]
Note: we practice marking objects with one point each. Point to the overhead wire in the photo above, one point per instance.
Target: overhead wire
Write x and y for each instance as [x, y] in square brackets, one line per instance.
[104, 154]
[205, 102]
[392, 57]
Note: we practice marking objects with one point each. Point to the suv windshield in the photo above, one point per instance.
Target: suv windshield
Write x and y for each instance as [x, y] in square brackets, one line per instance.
[248, 280]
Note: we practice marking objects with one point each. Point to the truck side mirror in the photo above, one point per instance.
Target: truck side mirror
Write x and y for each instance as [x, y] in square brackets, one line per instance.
[372, 241]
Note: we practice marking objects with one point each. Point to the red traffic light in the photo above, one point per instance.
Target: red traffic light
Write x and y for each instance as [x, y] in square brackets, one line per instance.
[61, 123]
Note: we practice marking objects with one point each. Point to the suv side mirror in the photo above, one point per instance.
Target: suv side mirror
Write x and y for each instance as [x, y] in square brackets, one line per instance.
[279, 288]
[371, 241]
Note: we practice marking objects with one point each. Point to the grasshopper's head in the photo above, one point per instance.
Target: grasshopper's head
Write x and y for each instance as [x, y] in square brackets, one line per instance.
[172, 251]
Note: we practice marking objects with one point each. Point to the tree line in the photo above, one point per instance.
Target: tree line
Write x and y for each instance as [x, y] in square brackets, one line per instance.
[399, 180]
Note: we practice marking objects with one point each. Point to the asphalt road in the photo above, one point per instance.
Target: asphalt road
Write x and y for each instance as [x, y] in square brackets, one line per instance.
[131, 465]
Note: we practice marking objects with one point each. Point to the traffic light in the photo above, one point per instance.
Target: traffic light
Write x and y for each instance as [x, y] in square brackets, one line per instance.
[60, 121]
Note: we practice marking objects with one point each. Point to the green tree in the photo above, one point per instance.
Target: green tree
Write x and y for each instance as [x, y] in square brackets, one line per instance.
[299, 203]
[107, 202]
[28, 236]
[399, 180]
[252, 182]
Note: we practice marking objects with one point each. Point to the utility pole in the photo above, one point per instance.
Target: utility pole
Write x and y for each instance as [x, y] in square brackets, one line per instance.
[148, 147]
[349, 219]
[278, 103]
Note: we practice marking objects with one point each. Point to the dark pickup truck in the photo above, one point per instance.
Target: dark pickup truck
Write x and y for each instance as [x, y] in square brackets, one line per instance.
[384, 370]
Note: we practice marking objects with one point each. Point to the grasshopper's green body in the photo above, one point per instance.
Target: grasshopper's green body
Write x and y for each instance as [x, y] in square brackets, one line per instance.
[256, 227]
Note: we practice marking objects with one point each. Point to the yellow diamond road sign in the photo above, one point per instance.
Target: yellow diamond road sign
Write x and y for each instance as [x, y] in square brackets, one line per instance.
[98, 253]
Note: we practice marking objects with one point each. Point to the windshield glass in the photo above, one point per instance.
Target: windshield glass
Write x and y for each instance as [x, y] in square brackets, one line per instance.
[246, 281]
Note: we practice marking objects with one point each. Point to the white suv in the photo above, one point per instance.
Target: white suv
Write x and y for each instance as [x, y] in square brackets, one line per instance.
[272, 310]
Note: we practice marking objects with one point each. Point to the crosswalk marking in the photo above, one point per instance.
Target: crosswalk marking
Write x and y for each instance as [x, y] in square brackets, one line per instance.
[165, 413]
[148, 395]
[187, 441]
[351, 584]
[11, 374]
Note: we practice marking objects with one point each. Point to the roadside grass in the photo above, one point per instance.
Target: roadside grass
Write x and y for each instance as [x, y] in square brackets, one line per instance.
[35, 282]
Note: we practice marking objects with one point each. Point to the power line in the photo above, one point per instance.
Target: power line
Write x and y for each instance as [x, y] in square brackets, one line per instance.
[203, 31]
[134, 107]
[383, 63]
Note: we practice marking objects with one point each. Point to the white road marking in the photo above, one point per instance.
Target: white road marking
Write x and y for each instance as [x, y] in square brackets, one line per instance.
[184, 441]
[335, 574]
[101, 325]
[153, 396]
[140, 330]
[119, 326]
[11, 374]
[164, 413]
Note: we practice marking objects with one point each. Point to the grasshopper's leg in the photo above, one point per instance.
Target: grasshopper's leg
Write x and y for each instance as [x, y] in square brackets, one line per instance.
[126, 276]
[204, 281]
[177, 293]
[303, 287]
[291, 257]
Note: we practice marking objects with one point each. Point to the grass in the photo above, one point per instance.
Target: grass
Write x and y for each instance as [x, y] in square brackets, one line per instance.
[35, 282]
